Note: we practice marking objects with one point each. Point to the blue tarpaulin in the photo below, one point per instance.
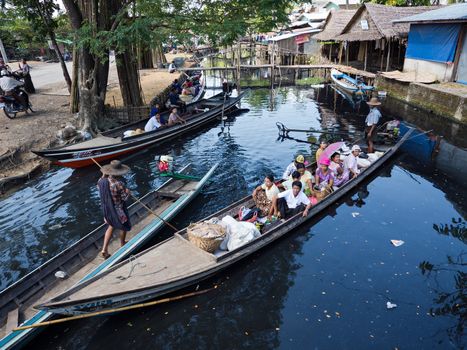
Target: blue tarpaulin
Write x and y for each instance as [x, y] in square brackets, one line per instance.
[433, 42]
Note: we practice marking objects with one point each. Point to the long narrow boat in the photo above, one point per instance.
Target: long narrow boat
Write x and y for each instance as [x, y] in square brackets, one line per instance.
[349, 84]
[80, 261]
[177, 263]
[113, 144]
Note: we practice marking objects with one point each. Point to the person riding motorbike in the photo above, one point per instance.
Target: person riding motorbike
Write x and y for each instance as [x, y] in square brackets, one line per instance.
[8, 84]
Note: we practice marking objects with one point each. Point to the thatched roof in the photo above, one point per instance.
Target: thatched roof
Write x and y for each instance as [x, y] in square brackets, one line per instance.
[335, 24]
[379, 19]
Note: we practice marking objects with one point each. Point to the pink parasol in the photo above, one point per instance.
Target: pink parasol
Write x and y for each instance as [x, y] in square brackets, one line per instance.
[333, 147]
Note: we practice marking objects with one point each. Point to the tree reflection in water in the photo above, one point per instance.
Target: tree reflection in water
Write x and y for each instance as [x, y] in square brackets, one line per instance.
[452, 302]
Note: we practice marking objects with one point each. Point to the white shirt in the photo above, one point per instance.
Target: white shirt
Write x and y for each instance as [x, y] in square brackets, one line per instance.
[373, 117]
[351, 163]
[289, 170]
[292, 201]
[25, 68]
[270, 192]
[8, 84]
[152, 124]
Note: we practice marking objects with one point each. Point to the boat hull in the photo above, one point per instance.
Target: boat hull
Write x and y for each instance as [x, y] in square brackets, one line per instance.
[20, 338]
[82, 157]
[64, 304]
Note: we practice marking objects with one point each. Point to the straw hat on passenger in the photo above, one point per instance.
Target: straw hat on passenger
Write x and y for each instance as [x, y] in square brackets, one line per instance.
[300, 159]
[115, 168]
[374, 102]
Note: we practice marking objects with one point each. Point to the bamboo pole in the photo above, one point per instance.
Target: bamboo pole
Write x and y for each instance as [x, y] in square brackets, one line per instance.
[366, 55]
[111, 311]
[145, 206]
[389, 54]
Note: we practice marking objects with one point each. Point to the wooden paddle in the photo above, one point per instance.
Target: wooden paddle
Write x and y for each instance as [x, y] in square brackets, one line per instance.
[144, 205]
[110, 311]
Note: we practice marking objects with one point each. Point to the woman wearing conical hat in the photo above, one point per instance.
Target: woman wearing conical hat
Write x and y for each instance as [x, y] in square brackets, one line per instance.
[114, 194]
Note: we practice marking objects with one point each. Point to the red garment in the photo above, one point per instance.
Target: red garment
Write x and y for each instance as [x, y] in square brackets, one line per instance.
[163, 167]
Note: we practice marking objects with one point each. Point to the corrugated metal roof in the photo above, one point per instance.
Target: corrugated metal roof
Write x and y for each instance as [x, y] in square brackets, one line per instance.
[291, 35]
[457, 12]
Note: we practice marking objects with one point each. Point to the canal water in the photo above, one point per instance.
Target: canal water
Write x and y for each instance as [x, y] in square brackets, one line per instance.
[323, 286]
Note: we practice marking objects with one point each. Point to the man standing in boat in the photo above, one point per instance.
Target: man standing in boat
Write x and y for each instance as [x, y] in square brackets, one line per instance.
[114, 194]
[371, 123]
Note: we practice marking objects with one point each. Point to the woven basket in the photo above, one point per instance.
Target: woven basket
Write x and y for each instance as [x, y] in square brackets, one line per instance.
[208, 244]
[320, 195]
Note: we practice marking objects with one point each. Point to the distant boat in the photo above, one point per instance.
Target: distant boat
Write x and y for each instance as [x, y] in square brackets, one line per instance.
[113, 144]
[177, 263]
[349, 84]
[80, 261]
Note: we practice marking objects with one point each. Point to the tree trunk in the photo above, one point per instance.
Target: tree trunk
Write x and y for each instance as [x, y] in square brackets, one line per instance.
[74, 94]
[93, 70]
[66, 75]
[128, 79]
[158, 57]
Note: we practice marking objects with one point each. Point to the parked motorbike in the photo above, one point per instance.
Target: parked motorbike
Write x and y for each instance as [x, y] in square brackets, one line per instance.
[11, 107]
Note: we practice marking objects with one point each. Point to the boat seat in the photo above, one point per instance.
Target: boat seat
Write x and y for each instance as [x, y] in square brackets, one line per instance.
[168, 194]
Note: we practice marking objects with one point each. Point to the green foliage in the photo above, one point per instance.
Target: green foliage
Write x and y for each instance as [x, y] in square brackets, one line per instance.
[403, 2]
[216, 21]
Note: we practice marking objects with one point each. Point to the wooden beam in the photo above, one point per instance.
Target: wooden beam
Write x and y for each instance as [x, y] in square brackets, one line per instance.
[389, 54]
[366, 55]
[458, 52]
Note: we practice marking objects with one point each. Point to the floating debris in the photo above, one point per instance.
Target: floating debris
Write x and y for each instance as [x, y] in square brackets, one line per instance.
[355, 214]
[390, 305]
[397, 243]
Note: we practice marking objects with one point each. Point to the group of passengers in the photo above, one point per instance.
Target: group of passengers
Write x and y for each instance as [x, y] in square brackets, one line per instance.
[298, 189]
[156, 121]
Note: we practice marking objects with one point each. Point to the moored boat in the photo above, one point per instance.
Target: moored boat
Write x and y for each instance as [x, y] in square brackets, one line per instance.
[177, 263]
[112, 144]
[348, 84]
[81, 262]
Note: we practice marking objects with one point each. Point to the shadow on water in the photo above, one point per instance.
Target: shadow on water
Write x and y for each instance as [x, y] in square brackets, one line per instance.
[324, 286]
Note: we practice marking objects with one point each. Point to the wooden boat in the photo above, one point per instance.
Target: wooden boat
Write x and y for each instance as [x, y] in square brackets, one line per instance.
[81, 262]
[111, 144]
[177, 263]
[349, 84]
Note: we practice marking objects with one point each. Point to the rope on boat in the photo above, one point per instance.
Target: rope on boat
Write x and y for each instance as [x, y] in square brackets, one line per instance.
[111, 311]
[145, 206]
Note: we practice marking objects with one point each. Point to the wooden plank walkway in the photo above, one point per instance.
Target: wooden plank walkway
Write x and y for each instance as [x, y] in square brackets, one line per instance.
[344, 69]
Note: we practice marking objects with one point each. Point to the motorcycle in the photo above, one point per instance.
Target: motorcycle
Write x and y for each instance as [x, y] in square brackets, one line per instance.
[11, 107]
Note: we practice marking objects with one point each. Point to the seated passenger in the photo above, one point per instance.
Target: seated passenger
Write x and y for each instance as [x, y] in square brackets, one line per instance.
[306, 178]
[153, 123]
[174, 118]
[293, 166]
[186, 90]
[324, 177]
[341, 175]
[287, 185]
[175, 100]
[322, 147]
[155, 109]
[290, 202]
[351, 162]
[263, 195]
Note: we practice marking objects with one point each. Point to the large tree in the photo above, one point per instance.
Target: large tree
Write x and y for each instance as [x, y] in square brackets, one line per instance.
[120, 25]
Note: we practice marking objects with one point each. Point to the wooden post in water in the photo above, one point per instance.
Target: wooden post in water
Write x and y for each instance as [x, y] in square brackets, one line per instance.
[389, 54]
[272, 64]
[366, 55]
[341, 45]
[239, 57]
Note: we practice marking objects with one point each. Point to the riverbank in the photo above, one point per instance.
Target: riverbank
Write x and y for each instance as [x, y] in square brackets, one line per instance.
[19, 136]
